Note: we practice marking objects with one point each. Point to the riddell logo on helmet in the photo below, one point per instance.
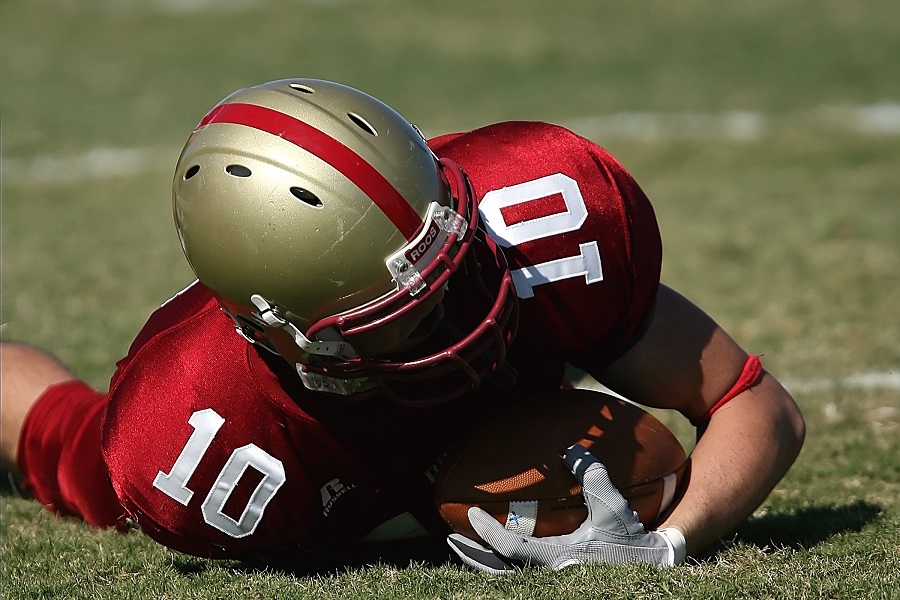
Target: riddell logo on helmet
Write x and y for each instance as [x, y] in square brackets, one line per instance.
[424, 244]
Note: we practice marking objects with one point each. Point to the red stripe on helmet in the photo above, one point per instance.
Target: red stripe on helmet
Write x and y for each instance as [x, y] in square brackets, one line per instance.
[336, 154]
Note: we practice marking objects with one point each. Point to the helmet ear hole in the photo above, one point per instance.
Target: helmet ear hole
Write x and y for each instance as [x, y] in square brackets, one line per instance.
[193, 170]
[238, 170]
[306, 196]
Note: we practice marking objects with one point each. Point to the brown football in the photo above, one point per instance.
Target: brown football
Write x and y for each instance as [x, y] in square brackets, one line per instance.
[512, 467]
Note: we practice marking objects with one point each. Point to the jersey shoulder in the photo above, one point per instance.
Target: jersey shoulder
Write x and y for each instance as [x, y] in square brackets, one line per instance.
[200, 448]
[516, 145]
[216, 449]
[578, 231]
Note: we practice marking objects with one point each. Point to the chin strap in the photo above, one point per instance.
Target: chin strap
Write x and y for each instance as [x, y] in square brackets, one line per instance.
[270, 316]
[318, 382]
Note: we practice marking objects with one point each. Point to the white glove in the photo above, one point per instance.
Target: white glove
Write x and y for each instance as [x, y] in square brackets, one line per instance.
[611, 533]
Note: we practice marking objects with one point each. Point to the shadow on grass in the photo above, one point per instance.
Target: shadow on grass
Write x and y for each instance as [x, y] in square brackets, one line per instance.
[430, 552]
[397, 555]
[806, 527]
[796, 529]
[11, 485]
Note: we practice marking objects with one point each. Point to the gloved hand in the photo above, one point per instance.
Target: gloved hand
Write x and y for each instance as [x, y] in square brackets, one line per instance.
[611, 533]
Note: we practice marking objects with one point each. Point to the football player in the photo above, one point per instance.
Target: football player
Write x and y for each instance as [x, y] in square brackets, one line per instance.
[365, 296]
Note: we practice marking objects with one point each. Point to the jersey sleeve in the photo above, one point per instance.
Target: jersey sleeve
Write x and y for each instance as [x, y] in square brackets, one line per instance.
[60, 446]
[580, 236]
[200, 458]
[211, 453]
[59, 454]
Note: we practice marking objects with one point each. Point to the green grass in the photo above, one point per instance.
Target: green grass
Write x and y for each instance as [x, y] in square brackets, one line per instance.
[791, 240]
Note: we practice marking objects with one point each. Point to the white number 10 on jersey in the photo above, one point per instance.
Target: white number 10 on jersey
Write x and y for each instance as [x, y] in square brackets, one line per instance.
[586, 263]
[206, 424]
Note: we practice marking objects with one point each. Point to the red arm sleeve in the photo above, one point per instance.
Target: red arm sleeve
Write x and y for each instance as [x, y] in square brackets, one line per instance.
[60, 445]
[580, 236]
[59, 453]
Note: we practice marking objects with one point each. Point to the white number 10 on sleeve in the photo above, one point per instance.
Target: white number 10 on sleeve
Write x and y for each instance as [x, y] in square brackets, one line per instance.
[586, 263]
[206, 424]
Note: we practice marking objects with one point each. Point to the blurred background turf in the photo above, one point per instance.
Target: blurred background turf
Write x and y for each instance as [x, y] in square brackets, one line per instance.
[793, 231]
[767, 135]
[130, 71]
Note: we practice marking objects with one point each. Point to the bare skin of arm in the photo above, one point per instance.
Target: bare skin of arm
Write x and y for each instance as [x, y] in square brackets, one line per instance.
[25, 373]
[686, 362]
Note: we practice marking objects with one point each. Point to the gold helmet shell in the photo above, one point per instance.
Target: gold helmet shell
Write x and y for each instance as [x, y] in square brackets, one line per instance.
[303, 220]
[312, 211]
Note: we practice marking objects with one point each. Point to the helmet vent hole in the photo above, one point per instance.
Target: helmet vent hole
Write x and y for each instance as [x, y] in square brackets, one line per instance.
[302, 88]
[362, 123]
[238, 170]
[191, 172]
[306, 196]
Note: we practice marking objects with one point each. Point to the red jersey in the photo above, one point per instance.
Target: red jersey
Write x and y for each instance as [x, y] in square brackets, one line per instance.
[215, 448]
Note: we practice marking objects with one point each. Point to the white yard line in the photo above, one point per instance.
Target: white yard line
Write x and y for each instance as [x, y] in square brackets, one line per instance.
[889, 380]
[881, 119]
[95, 164]
[875, 380]
[870, 120]
[180, 8]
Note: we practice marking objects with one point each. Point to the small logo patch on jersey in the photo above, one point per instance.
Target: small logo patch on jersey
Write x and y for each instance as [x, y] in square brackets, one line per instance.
[331, 491]
[431, 472]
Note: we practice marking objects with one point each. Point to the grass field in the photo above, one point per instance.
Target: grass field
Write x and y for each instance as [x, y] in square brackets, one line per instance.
[767, 134]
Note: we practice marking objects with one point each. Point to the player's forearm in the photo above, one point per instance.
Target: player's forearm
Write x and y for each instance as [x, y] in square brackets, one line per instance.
[748, 447]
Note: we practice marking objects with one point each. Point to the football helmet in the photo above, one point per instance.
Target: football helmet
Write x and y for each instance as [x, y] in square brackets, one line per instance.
[314, 212]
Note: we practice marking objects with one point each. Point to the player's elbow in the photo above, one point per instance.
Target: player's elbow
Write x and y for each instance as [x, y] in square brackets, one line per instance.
[782, 425]
[792, 429]
[799, 427]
